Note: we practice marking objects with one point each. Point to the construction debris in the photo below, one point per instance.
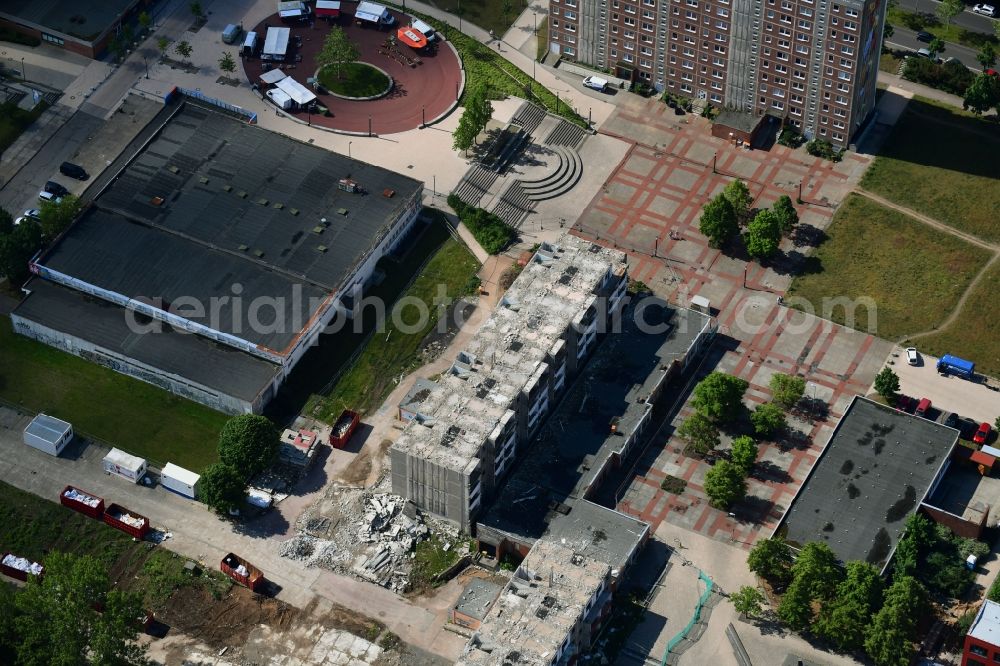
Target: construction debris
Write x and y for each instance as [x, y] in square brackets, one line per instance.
[314, 552]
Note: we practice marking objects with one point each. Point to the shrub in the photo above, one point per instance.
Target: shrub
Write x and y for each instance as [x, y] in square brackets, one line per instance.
[823, 148]
[790, 137]
[952, 76]
[673, 484]
[489, 230]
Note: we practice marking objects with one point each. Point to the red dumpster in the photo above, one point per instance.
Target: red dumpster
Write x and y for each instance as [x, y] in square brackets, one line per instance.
[344, 428]
[19, 567]
[127, 521]
[241, 571]
[84, 502]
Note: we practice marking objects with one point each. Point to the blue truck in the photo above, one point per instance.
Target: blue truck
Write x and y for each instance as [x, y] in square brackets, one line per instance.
[954, 365]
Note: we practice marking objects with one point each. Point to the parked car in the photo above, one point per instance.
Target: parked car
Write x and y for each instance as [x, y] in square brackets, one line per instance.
[33, 213]
[596, 83]
[49, 196]
[924, 36]
[924, 53]
[982, 434]
[905, 403]
[985, 10]
[951, 420]
[52, 187]
[73, 171]
[923, 408]
[911, 356]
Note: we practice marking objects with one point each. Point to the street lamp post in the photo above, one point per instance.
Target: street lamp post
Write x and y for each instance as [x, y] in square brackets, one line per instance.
[23, 75]
[369, 125]
[349, 149]
[146, 62]
[423, 116]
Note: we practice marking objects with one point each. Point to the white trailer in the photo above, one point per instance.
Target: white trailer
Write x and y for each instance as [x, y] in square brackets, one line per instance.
[372, 12]
[276, 44]
[179, 480]
[48, 434]
[125, 465]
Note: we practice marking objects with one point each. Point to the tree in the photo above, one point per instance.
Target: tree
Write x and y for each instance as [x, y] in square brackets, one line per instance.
[8, 625]
[787, 216]
[117, 47]
[747, 601]
[844, 619]
[720, 396]
[767, 419]
[6, 222]
[481, 108]
[183, 49]
[787, 390]
[222, 487]
[744, 454]
[248, 443]
[58, 623]
[337, 51]
[982, 94]
[16, 250]
[163, 44]
[771, 558]
[699, 432]
[987, 56]
[887, 33]
[226, 63]
[718, 221]
[738, 194]
[795, 608]
[145, 20]
[465, 133]
[763, 235]
[889, 639]
[996, 29]
[887, 385]
[816, 567]
[724, 485]
[197, 10]
[55, 217]
[949, 9]
[936, 45]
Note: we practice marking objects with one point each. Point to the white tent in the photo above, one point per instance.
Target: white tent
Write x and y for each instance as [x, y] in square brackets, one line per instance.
[280, 98]
[273, 76]
[298, 92]
[276, 43]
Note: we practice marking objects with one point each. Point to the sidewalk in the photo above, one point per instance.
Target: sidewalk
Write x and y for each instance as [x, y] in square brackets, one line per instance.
[919, 89]
[31, 141]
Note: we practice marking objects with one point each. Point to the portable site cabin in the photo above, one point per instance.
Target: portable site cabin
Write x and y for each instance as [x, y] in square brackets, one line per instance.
[280, 99]
[329, 9]
[179, 480]
[276, 44]
[48, 434]
[298, 93]
[373, 13]
[125, 465]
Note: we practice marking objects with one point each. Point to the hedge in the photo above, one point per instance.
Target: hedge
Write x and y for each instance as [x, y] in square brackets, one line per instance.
[488, 229]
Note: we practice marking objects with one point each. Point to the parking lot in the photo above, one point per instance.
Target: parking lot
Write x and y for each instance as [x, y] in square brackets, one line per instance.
[970, 399]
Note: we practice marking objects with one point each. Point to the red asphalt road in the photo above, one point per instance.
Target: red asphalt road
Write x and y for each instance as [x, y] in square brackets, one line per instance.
[429, 87]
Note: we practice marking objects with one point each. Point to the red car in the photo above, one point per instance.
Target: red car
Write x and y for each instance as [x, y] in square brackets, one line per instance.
[982, 434]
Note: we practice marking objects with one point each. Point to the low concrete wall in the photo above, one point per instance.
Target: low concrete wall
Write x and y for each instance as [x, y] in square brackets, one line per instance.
[573, 68]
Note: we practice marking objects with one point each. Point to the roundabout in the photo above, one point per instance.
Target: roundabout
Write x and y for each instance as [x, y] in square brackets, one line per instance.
[388, 90]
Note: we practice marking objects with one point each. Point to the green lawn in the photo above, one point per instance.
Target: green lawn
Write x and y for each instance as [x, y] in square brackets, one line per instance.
[122, 411]
[942, 163]
[355, 80]
[898, 16]
[913, 273]
[890, 62]
[495, 15]
[965, 336]
[391, 352]
[13, 121]
[31, 527]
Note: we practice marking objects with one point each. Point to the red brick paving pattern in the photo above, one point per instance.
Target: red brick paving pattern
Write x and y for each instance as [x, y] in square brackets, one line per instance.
[430, 86]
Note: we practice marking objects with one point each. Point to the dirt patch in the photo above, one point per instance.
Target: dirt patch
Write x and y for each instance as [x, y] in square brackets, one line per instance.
[225, 622]
[360, 470]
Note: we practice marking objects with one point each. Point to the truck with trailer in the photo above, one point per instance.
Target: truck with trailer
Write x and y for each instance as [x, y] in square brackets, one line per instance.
[954, 365]
[19, 568]
[345, 426]
[242, 571]
[83, 502]
[127, 521]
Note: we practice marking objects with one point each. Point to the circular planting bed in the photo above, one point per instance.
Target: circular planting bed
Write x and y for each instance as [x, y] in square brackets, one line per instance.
[356, 80]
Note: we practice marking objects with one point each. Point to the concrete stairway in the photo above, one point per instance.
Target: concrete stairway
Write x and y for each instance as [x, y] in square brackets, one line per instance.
[566, 134]
[566, 175]
[475, 184]
[513, 205]
[529, 116]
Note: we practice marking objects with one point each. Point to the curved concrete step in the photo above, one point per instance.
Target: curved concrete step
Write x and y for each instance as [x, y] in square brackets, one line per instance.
[564, 163]
[557, 187]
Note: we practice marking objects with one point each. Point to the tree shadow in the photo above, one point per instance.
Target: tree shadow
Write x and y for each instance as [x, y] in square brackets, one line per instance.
[315, 479]
[753, 509]
[793, 440]
[812, 408]
[269, 524]
[807, 235]
[765, 470]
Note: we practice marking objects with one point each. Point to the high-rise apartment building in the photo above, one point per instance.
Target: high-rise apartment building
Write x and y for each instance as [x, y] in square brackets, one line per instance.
[812, 63]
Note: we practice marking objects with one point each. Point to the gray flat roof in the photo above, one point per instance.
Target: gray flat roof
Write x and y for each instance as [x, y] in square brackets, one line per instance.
[738, 120]
[143, 262]
[876, 468]
[193, 357]
[48, 427]
[202, 161]
[576, 442]
[477, 597]
[85, 19]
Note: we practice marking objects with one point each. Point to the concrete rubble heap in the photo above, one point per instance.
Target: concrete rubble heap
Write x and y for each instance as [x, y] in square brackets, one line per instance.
[314, 552]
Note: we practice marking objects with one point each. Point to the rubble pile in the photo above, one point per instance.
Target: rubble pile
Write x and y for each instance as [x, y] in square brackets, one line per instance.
[22, 564]
[314, 552]
[129, 519]
[392, 534]
[83, 498]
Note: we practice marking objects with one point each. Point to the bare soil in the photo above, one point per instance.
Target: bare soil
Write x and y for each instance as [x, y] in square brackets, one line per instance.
[224, 622]
[360, 471]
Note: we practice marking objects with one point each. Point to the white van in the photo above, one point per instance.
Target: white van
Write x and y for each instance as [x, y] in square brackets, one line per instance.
[596, 83]
[250, 45]
[231, 34]
[424, 29]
